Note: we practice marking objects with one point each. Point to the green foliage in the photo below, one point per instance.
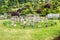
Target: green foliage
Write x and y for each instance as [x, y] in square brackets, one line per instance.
[7, 23]
[31, 5]
[48, 33]
[36, 25]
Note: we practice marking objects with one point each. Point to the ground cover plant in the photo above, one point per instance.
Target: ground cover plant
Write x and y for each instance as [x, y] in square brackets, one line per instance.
[48, 33]
[36, 25]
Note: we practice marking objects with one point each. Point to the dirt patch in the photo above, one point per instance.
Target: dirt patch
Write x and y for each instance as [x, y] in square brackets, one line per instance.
[57, 38]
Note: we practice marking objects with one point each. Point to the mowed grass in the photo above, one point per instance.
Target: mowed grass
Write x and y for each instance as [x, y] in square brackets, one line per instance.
[47, 33]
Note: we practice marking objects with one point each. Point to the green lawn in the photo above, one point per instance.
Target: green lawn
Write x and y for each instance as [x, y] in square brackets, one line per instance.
[47, 33]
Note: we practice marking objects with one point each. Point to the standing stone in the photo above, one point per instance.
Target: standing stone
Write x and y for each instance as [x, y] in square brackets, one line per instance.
[54, 16]
[1, 17]
[14, 17]
[5, 15]
[42, 19]
[22, 20]
[29, 18]
[36, 18]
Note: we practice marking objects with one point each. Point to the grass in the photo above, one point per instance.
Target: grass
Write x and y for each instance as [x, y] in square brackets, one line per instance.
[29, 34]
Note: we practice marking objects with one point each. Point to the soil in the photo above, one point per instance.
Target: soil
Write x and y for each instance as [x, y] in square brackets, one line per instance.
[57, 38]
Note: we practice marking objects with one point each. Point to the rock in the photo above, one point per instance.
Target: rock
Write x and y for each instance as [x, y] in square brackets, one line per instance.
[2, 17]
[14, 19]
[22, 20]
[53, 16]
[36, 18]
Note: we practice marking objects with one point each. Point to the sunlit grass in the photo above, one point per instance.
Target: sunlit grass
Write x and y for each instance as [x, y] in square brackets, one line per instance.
[29, 34]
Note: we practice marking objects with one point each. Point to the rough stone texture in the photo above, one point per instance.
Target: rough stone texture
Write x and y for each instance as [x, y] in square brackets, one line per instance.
[29, 19]
[53, 16]
[14, 19]
[2, 17]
